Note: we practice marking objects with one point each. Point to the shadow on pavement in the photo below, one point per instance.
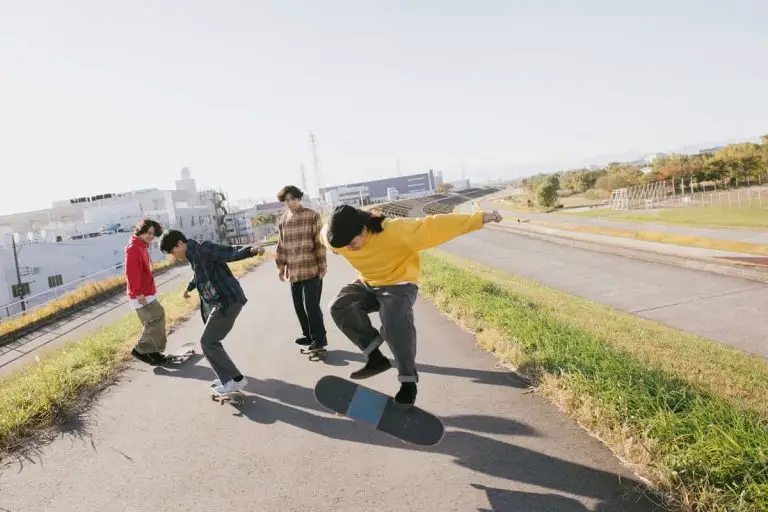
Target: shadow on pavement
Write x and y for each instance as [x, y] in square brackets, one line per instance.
[275, 401]
[491, 378]
[504, 500]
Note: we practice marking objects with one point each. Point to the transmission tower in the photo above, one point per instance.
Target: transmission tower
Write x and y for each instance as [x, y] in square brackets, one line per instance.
[303, 174]
[313, 141]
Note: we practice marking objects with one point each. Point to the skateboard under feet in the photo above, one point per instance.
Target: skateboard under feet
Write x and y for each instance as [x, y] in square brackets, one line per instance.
[185, 352]
[235, 397]
[377, 410]
[315, 355]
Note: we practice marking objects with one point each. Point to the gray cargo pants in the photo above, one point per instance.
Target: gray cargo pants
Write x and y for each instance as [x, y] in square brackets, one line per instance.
[219, 323]
[353, 304]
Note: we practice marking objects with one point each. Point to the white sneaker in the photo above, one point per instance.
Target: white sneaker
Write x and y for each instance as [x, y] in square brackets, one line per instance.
[231, 386]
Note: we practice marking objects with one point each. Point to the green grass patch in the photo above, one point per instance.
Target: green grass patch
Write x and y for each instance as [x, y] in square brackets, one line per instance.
[689, 415]
[52, 390]
[754, 217]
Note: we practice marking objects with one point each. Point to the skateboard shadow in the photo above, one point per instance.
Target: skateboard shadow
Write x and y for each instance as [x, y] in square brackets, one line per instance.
[503, 500]
[273, 401]
[503, 378]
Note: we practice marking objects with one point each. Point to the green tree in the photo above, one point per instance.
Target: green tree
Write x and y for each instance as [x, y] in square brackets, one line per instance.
[546, 194]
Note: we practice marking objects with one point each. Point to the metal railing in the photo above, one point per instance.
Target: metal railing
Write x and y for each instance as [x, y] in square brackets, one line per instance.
[58, 292]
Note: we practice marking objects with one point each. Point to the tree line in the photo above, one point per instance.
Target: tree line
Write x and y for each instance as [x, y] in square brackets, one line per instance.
[727, 167]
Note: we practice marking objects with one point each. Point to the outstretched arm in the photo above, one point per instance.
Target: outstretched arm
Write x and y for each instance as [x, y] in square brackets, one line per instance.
[226, 253]
[434, 230]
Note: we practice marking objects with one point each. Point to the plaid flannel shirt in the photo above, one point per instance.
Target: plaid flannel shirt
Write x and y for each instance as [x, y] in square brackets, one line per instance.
[299, 248]
[213, 279]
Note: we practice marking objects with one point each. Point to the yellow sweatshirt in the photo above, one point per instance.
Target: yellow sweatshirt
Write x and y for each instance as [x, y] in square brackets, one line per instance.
[392, 256]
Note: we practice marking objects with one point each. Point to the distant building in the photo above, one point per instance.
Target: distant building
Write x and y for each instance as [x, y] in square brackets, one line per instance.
[82, 236]
[358, 195]
[413, 185]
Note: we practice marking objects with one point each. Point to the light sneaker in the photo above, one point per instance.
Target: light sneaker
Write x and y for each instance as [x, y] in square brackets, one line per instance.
[231, 386]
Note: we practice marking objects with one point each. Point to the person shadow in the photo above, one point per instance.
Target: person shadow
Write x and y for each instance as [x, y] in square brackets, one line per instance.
[466, 440]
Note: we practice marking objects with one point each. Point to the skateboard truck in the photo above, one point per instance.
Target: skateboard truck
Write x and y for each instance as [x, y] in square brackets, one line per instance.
[315, 355]
[236, 397]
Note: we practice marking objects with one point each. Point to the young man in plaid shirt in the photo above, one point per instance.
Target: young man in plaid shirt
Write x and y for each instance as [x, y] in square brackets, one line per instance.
[301, 260]
[220, 291]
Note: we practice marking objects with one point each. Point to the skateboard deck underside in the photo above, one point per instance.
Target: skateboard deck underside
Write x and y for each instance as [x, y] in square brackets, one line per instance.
[378, 410]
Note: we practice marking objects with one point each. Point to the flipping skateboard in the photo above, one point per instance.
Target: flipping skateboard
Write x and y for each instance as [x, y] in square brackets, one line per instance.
[315, 355]
[236, 397]
[184, 353]
[377, 410]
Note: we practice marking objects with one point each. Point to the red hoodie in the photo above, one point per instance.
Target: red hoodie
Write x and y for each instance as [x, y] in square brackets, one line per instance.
[138, 269]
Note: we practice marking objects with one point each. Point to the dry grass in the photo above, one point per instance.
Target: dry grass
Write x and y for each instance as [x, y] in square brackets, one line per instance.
[690, 415]
[85, 292]
[54, 390]
[664, 238]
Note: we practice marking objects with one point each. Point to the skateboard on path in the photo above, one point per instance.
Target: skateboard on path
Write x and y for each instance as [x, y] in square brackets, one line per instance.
[377, 410]
[184, 353]
[237, 398]
[315, 355]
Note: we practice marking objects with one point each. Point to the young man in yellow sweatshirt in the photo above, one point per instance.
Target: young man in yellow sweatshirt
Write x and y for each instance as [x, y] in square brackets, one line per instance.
[385, 253]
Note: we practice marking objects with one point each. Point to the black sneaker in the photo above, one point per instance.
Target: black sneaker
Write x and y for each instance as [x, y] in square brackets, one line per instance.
[147, 358]
[316, 346]
[157, 358]
[376, 364]
[406, 397]
[304, 341]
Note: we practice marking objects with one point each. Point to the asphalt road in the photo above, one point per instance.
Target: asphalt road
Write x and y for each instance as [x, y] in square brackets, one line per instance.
[157, 442]
[79, 325]
[724, 309]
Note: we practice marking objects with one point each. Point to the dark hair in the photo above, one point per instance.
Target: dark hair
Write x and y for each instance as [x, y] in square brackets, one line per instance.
[291, 190]
[348, 222]
[144, 225]
[171, 239]
[374, 221]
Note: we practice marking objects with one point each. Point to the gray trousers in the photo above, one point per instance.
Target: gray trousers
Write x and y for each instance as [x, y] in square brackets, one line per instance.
[153, 338]
[219, 323]
[357, 300]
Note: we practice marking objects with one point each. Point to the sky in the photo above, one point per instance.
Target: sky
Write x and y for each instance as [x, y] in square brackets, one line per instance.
[102, 97]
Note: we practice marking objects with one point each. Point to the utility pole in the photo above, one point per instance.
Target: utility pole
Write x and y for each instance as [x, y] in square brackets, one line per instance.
[303, 173]
[313, 141]
[18, 272]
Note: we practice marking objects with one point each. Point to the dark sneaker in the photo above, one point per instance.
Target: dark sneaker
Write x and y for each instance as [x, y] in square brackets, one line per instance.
[406, 397]
[303, 341]
[156, 358]
[376, 364]
[147, 358]
[317, 346]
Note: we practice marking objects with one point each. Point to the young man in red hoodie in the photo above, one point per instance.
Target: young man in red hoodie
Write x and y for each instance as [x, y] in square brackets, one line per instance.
[142, 293]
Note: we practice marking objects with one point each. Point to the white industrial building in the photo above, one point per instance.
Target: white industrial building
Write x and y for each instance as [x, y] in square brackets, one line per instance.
[79, 237]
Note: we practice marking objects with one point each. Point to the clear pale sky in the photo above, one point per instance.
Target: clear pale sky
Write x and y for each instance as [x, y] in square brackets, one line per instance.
[109, 96]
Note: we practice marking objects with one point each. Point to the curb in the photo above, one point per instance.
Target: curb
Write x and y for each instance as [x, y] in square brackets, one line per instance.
[703, 264]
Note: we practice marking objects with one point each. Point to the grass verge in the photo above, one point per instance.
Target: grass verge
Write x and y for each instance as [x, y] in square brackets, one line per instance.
[88, 291]
[691, 416]
[664, 238]
[755, 217]
[52, 391]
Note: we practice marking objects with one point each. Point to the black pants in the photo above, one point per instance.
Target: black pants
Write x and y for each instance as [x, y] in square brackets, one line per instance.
[306, 301]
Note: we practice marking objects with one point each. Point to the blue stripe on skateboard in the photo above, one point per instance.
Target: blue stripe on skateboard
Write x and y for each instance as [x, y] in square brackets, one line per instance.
[367, 406]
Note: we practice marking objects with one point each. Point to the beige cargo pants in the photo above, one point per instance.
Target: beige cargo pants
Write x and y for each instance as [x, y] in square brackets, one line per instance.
[153, 338]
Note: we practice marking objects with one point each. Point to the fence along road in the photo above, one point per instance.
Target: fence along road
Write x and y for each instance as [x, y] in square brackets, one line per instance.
[77, 325]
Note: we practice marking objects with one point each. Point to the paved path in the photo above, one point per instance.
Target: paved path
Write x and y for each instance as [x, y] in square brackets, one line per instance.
[157, 442]
[80, 324]
[753, 236]
[724, 309]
